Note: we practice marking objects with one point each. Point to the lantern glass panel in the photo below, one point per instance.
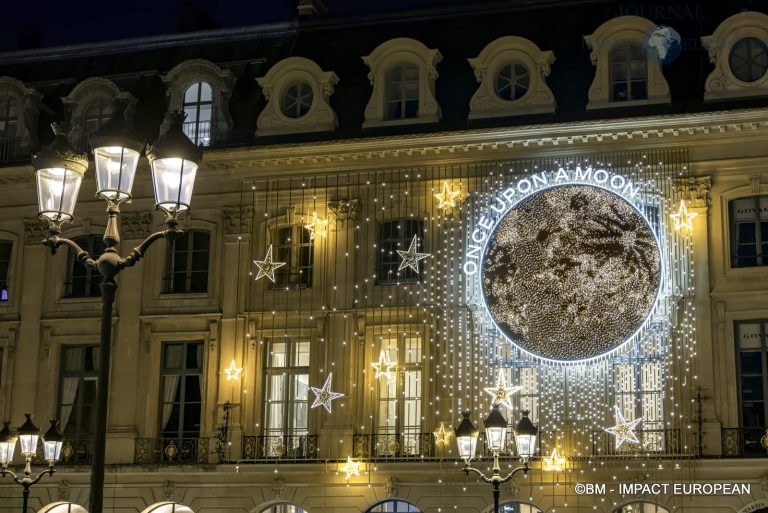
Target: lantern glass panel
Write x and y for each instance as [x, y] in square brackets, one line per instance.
[57, 190]
[173, 179]
[115, 171]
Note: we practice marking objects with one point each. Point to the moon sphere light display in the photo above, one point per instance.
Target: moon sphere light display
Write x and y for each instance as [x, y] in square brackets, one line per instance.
[571, 272]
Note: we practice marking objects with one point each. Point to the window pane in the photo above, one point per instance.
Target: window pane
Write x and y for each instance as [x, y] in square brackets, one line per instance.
[206, 93]
[192, 93]
[749, 335]
[277, 387]
[752, 388]
[751, 362]
[278, 355]
[187, 263]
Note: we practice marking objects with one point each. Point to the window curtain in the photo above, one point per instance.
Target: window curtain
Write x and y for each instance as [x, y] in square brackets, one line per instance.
[69, 386]
[171, 382]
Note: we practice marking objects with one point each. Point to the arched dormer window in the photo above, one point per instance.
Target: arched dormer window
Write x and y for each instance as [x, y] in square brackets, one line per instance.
[403, 76]
[19, 112]
[90, 103]
[297, 92]
[512, 74]
[202, 90]
[739, 50]
[624, 76]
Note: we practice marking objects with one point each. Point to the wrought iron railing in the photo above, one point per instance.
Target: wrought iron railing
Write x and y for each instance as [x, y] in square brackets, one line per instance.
[171, 451]
[199, 132]
[10, 148]
[76, 452]
[283, 447]
[394, 446]
[744, 442]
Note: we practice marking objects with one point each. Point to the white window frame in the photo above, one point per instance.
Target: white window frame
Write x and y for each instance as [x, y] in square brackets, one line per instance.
[721, 82]
[624, 29]
[392, 53]
[320, 117]
[485, 103]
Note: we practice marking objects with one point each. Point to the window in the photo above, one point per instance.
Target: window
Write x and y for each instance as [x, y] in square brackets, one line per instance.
[187, 263]
[518, 507]
[296, 100]
[402, 96]
[96, 114]
[393, 506]
[198, 103]
[77, 390]
[512, 81]
[639, 393]
[748, 59]
[292, 245]
[283, 508]
[5, 268]
[285, 406]
[628, 73]
[9, 114]
[168, 507]
[399, 397]
[752, 352]
[82, 281]
[641, 507]
[181, 389]
[403, 74]
[394, 235]
[749, 231]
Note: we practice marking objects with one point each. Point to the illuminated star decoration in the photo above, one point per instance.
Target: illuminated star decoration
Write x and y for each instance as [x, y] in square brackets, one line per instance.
[412, 256]
[624, 430]
[384, 367]
[233, 372]
[442, 435]
[352, 468]
[317, 226]
[683, 219]
[267, 266]
[447, 199]
[553, 463]
[324, 396]
[502, 392]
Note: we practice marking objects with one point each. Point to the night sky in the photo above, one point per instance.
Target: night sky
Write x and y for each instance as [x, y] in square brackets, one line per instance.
[44, 23]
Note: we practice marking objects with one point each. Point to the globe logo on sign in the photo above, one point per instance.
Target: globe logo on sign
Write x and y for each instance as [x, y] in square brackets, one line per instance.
[662, 44]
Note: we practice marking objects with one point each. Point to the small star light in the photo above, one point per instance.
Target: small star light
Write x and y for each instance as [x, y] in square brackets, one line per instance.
[502, 392]
[352, 468]
[267, 267]
[624, 430]
[324, 396]
[447, 199]
[553, 463]
[683, 219]
[412, 256]
[384, 367]
[317, 226]
[442, 435]
[233, 372]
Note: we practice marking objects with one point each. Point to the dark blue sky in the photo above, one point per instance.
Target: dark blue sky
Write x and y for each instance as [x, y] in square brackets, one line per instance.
[32, 23]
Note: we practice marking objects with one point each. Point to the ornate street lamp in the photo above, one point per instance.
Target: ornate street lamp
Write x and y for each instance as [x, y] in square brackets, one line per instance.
[495, 434]
[27, 436]
[174, 160]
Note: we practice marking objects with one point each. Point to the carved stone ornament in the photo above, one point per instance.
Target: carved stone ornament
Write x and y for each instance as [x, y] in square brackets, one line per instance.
[344, 211]
[722, 82]
[392, 487]
[278, 487]
[396, 52]
[168, 488]
[696, 191]
[278, 85]
[34, 231]
[514, 51]
[764, 483]
[238, 220]
[135, 225]
[513, 487]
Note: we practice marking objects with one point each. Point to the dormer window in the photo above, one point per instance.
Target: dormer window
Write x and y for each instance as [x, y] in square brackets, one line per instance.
[9, 119]
[629, 73]
[624, 75]
[403, 77]
[19, 111]
[512, 81]
[198, 103]
[748, 59]
[296, 100]
[91, 105]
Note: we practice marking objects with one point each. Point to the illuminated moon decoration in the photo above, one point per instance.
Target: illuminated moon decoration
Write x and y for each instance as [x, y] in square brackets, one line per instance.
[571, 272]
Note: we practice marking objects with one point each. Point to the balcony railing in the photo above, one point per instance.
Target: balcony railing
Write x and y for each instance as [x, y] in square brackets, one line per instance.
[171, 451]
[199, 132]
[283, 447]
[744, 442]
[10, 149]
[76, 452]
[394, 446]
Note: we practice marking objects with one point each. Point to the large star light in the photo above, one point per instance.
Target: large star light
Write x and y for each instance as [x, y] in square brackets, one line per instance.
[233, 372]
[352, 468]
[324, 396]
[502, 392]
[412, 256]
[267, 267]
[317, 226]
[683, 219]
[447, 199]
[442, 435]
[624, 430]
[384, 367]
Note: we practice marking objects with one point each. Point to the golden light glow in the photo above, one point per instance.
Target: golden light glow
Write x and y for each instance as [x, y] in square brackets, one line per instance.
[683, 219]
[351, 467]
[448, 198]
[502, 392]
[442, 435]
[384, 367]
[267, 266]
[317, 226]
[553, 463]
[233, 372]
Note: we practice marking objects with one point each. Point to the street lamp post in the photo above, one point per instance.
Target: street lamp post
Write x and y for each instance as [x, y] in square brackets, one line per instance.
[27, 435]
[173, 162]
[495, 433]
